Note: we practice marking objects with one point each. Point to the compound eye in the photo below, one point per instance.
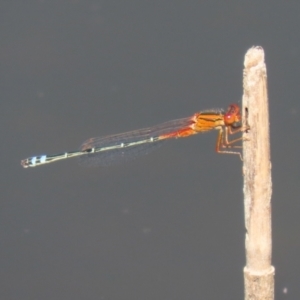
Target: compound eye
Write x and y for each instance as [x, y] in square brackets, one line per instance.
[232, 115]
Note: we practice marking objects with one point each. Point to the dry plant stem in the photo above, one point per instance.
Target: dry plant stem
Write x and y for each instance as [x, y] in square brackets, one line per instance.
[258, 273]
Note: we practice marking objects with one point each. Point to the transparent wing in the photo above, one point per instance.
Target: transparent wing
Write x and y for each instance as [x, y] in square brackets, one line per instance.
[126, 146]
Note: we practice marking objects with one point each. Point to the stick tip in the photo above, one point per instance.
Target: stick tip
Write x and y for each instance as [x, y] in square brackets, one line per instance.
[254, 56]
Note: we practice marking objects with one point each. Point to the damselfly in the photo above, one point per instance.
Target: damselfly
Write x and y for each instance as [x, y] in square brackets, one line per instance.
[116, 148]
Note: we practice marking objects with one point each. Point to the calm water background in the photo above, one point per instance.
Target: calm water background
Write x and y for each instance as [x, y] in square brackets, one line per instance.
[166, 226]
